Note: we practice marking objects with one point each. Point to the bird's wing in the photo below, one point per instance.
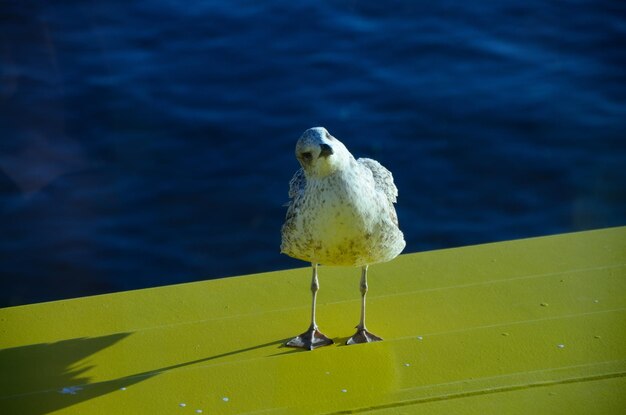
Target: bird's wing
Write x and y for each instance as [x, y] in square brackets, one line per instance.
[296, 189]
[383, 179]
[297, 184]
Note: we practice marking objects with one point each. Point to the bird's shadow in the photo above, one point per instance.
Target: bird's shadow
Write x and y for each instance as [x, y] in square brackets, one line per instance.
[42, 378]
[45, 377]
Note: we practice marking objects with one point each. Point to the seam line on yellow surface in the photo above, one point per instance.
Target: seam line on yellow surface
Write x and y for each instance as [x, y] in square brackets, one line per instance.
[373, 297]
[513, 323]
[530, 372]
[485, 391]
[496, 281]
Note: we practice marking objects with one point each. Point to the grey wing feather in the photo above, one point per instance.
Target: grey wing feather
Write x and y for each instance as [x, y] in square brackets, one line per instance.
[296, 189]
[383, 178]
[297, 184]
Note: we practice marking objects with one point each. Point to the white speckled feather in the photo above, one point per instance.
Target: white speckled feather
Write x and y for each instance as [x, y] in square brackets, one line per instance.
[341, 210]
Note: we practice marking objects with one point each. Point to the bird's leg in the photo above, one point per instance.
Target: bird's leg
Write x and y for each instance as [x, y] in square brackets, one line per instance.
[311, 338]
[362, 335]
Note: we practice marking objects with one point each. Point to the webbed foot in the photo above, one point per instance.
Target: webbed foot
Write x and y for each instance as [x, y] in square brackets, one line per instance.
[310, 339]
[363, 336]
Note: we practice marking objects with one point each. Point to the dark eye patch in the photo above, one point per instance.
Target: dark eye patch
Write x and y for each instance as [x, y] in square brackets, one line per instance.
[328, 136]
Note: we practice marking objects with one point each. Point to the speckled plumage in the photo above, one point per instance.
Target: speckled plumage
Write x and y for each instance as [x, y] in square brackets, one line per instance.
[340, 210]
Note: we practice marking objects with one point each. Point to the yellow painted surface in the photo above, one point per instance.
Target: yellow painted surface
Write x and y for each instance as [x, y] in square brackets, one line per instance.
[531, 326]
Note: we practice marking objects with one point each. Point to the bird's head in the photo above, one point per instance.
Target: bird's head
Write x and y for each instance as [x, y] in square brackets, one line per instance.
[320, 154]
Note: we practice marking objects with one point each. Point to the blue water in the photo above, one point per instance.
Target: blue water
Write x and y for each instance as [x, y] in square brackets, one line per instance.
[147, 143]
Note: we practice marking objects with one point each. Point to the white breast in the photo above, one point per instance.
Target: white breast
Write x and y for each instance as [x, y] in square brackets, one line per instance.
[342, 220]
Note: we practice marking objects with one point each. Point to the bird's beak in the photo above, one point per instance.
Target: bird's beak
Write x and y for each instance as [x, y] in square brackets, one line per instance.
[326, 150]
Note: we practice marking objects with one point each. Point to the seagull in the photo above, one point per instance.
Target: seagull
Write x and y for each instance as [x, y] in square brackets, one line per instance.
[340, 212]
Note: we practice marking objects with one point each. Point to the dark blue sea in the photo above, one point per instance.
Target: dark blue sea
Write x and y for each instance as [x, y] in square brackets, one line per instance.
[151, 142]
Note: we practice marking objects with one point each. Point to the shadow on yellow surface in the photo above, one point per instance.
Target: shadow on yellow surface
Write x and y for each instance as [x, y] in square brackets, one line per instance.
[54, 374]
[51, 367]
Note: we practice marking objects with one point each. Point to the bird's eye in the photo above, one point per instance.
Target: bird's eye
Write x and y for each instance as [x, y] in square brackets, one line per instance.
[306, 156]
[328, 136]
